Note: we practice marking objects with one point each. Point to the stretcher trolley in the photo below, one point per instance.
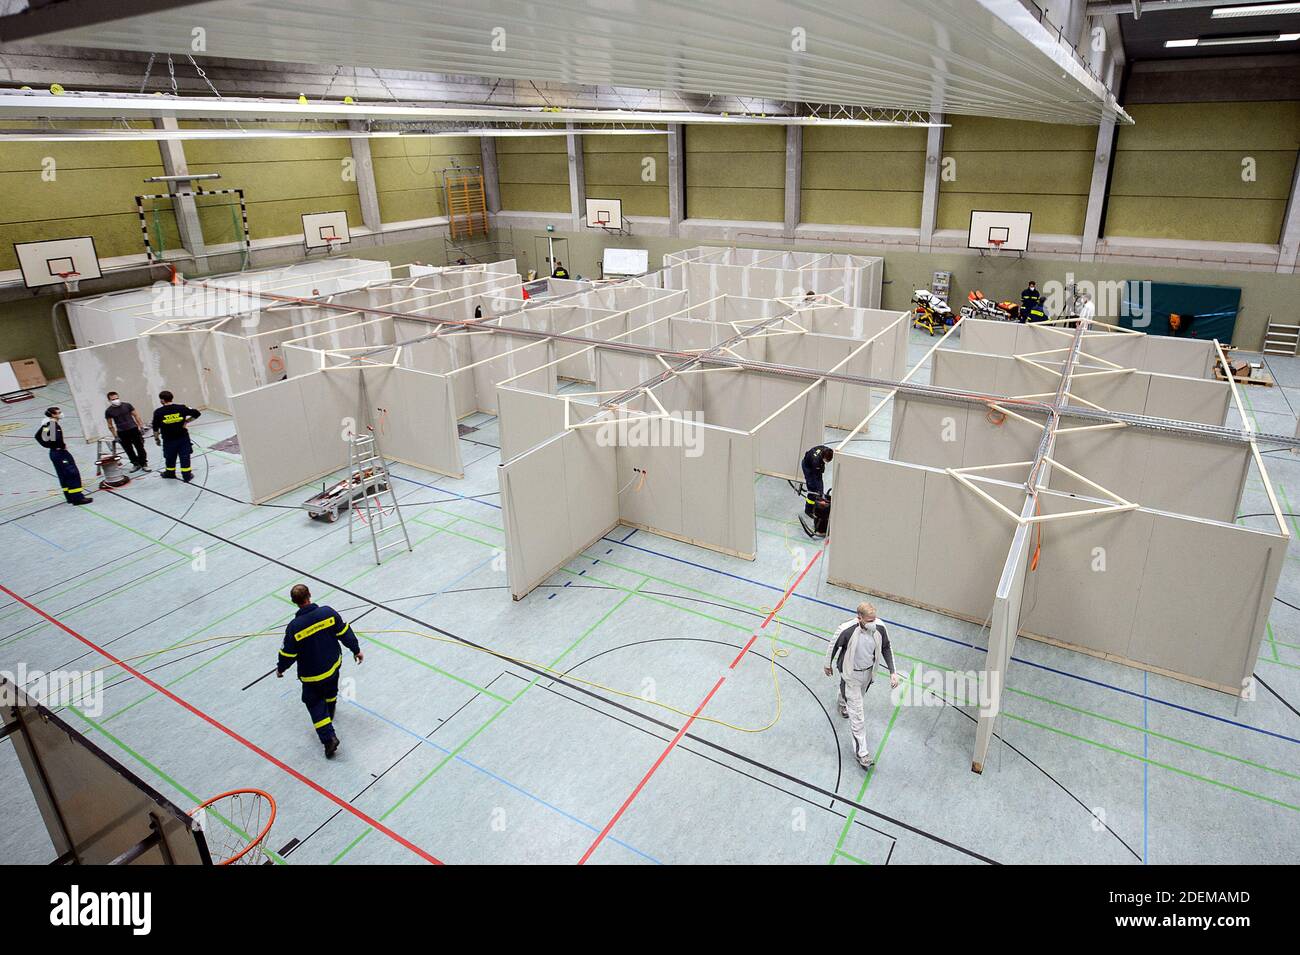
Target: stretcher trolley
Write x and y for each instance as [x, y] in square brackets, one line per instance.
[332, 500]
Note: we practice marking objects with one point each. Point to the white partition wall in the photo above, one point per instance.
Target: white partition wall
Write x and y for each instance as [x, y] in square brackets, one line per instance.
[96, 320]
[698, 486]
[1128, 391]
[137, 369]
[1181, 595]
[1190, 357]
[294, 432]
[556, 499]
[704, 272]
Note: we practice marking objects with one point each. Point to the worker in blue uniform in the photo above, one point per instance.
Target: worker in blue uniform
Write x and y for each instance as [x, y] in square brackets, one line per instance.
[814, 468]
[169, 430]
[50, 435]
[311, 641]
[1031, 303]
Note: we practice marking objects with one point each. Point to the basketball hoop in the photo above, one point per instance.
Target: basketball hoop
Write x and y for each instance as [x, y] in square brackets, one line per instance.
[71, 280]
[236, 824]
[332, 243]
[996, 244]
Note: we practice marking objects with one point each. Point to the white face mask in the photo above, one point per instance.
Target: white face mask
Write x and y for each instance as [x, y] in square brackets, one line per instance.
[115, 402]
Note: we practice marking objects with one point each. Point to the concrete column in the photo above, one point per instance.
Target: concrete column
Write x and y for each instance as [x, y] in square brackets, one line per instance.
[1288, 258]
[930, 189]
[1097, 191]
[187, 211]
[363, 168]
[676, 178]
[793, 177]
[577, 180]
[491, 179]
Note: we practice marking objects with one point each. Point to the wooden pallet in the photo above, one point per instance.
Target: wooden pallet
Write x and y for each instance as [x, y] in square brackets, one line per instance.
[1241, 371]
[1263, 379]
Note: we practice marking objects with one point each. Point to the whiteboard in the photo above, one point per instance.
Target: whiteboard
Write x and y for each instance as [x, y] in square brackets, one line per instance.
[626, 261]
[8, 380]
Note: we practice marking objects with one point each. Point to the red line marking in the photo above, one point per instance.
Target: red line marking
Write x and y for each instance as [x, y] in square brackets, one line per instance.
[337, 800]
[777, 609]
[698, 710]
[646, 778]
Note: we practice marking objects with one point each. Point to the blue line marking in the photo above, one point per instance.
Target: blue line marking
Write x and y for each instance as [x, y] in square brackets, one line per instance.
[453, 583]
[928, 633]
[963, 643]
[40, 538]
[1146, 771]
[505, 782]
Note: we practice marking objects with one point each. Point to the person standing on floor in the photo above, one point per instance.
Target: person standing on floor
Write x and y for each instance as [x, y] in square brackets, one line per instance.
[311, 641]
[1031, 302]
[169, 430]
[858, 648]
[128, 430]
[50, 435]
[813, 466]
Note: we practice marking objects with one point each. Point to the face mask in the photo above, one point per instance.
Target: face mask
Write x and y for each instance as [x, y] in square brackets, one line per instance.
[115, 402]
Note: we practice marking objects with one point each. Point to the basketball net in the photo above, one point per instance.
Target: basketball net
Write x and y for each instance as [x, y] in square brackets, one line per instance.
[71, 281]
[235, 825]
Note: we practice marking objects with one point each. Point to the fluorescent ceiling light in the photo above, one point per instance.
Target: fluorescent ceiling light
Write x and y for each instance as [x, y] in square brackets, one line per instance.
[1234, 40]
[69, 135]
[1254, 10]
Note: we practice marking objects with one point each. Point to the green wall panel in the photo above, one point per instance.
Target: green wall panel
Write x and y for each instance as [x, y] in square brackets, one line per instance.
[533, 172]
[613, 167]
[92, 193]
[1178, 171]
[735, 172]
[408, 173]
[282, 179]
[1010, 166]
[856, 176]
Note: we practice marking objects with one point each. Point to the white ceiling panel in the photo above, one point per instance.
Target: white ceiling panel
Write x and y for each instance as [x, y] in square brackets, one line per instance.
[986, 57]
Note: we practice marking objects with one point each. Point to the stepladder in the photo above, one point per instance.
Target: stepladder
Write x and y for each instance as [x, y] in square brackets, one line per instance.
[375, 506]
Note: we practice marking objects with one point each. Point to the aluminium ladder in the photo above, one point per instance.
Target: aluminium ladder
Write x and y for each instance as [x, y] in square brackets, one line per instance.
[1281, 339]
[371, 470]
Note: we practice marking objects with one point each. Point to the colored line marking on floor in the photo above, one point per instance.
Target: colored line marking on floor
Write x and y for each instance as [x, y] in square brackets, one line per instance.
[253, 747]
[698, 710]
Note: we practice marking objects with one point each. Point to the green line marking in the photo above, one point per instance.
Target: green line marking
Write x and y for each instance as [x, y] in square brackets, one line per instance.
[853, 811]
[1151, 762]
[370, 638]
[906, 656]
[156, 770]
[474, 735]
[852, 858]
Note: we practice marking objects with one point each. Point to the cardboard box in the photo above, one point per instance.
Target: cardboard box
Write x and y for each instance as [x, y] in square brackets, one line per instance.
[28, 372]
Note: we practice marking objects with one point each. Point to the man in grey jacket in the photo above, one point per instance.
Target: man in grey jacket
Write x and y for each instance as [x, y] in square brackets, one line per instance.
[858, 648]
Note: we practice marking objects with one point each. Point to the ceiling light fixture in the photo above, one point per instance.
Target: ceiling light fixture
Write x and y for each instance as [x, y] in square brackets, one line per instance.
[1254, 10]
[1233, 40]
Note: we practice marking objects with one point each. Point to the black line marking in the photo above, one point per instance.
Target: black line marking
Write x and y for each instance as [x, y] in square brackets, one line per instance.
[1276, 695]
[542, 673]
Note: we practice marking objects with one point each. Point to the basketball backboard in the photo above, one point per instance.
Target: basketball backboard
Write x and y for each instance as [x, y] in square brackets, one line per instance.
[325, 230]
[999, 230]
[47, 263]
[604, 213]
